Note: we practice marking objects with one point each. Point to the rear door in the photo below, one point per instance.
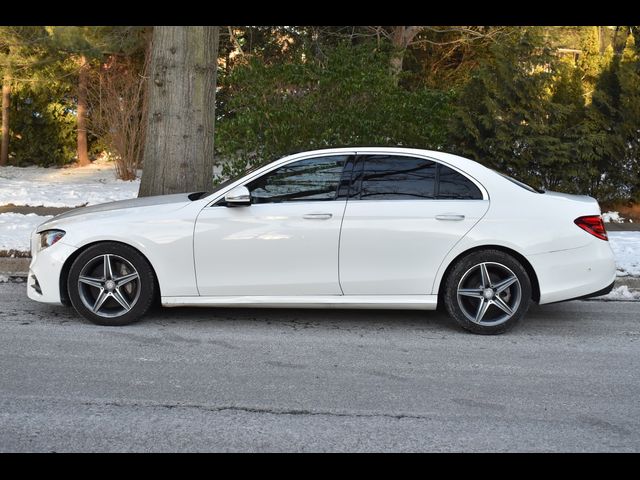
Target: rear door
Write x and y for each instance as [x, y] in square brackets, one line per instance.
[403, 215]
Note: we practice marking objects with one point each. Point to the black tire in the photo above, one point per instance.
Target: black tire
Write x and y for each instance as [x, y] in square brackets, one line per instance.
[467, 271]
[138, 293]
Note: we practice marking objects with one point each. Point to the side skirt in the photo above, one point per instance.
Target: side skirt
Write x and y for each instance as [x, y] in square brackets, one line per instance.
[403, 302]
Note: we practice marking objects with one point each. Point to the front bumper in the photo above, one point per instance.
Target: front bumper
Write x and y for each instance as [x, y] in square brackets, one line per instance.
[43, 284]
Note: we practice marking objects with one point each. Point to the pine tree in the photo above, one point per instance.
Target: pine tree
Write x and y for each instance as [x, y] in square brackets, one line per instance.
[629, 80]
[21, 50]
[505, 113]
[566, 119]
[601, 146]
[589, 61]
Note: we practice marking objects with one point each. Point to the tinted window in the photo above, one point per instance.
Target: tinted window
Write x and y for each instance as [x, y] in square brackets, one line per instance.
[389, 177]
[455, 186]
[312, 179]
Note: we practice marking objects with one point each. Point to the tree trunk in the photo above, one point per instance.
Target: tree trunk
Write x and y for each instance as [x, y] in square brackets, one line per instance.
[6, 99]
[178, 153]
[401, 37]
[83, 154]
[397, 56]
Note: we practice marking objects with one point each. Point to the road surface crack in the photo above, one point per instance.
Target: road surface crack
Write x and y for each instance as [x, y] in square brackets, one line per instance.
[259, 410]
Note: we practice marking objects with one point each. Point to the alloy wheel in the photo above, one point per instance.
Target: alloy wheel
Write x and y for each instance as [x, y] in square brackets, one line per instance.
[109, 285]
[489, 294]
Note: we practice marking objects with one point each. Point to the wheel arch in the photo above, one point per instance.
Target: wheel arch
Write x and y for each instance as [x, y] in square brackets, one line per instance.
[66, 267]
[535, 285]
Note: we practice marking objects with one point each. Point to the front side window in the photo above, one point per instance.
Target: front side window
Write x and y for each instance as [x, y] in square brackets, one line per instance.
[311, 179]
[392, 177]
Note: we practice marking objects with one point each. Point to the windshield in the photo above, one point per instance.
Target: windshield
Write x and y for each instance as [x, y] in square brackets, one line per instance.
[520, 184]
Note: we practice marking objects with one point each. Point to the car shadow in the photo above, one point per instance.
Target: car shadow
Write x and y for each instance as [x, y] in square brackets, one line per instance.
[299, 318]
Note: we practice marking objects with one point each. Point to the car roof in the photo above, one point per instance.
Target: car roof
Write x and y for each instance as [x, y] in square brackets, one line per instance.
[468, 166]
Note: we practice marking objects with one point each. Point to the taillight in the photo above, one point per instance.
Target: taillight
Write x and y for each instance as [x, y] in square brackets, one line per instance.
[592, 224]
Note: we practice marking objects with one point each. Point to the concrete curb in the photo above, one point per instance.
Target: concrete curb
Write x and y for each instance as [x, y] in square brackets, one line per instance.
[622, 227]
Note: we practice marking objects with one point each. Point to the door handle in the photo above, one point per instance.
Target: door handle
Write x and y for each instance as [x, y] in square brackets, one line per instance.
[317, 216]
[452, 217]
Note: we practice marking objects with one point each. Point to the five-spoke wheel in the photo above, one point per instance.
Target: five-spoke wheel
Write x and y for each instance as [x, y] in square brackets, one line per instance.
[111, 284]
[487, 291]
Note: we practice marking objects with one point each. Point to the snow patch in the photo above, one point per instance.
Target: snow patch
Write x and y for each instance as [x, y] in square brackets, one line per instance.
[612, 217]
[626, 248]
[620, 293]
[4, 278]
[64, 187]
[16, 228]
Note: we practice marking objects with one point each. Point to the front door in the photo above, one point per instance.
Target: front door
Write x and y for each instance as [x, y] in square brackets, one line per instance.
[285, 243]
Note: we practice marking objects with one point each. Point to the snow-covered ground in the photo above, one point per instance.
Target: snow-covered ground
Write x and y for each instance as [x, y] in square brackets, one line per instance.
[626, 247]
[16, 228]
[613, 217]
[621, 293]
[64, 187]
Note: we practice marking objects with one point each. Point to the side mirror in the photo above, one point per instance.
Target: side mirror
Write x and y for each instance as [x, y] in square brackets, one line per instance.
[237, 197]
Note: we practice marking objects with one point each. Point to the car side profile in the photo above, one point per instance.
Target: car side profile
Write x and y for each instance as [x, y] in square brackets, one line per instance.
[367, 227]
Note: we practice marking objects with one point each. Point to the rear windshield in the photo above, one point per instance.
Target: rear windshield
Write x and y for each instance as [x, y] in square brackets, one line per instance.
[520, 184]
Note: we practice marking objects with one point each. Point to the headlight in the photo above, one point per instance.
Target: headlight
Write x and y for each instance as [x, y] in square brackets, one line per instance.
[49, 237]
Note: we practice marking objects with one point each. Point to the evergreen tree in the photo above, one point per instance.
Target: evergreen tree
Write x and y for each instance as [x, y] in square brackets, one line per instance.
[589, 61]
[629, 79]
[506, 112]
[23, 58]
[601, 146]
[566, 119]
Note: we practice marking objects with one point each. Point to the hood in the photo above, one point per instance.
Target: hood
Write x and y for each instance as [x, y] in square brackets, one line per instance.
[178, 198]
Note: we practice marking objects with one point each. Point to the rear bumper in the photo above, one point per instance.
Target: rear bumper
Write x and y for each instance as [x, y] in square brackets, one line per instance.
[599, 293]
[576, 273]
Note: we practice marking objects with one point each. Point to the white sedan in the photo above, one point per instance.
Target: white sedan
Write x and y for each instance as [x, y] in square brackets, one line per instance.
[367, 227]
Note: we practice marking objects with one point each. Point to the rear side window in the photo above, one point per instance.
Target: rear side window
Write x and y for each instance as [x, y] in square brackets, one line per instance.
[389, 177]
[455, 186]
[397, 177]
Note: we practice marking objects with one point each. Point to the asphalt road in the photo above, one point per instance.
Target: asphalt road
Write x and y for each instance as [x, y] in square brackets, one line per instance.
[567, 379]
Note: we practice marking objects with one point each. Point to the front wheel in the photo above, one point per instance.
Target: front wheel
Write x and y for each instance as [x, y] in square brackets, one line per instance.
[487, 292]
[111, 284]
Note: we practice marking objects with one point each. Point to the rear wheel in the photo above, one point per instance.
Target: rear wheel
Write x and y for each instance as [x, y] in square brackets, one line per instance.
[487, 292]
[111, 284]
